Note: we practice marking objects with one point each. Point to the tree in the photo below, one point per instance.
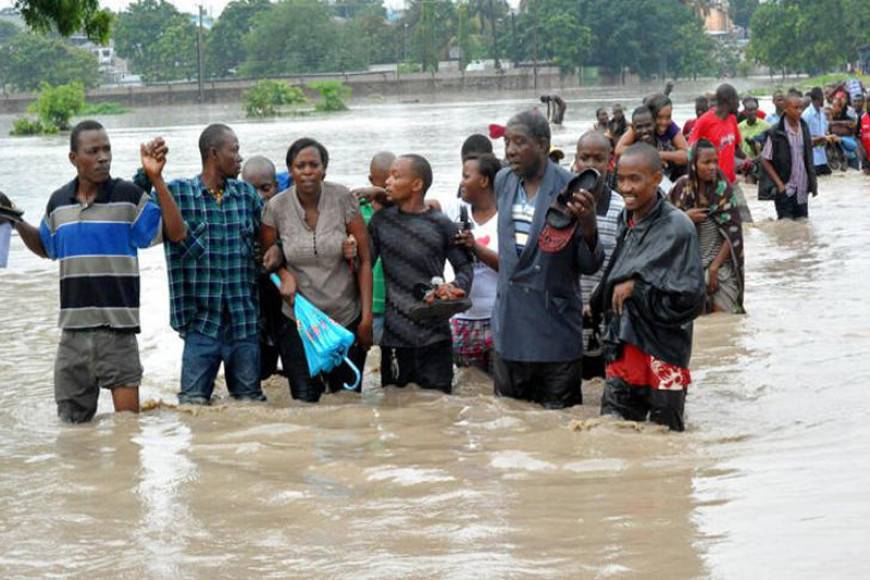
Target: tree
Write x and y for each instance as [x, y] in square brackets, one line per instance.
[268, 96]
[563, 38]
[333, 94]
[67, 17]
[8, 31]
[741, 11]
[432, 23]
[800, 35]
[694, 52]
[29, 59]
[299, 36]
[225, 48]
[857, 25]
[381, 40]
[57, 105]
[159, 41]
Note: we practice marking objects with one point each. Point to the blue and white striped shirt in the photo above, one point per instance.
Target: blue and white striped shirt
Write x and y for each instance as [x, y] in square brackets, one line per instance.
[96, 245]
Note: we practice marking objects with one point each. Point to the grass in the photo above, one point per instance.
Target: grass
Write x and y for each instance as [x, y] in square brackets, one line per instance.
[92, 109]
[805, 84]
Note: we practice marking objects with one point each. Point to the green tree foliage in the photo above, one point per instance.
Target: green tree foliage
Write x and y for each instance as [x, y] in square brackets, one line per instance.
[29, 59]
[268, 96]
[433, 24]
[57, 105]
[351, 8]
[8, 31]
[67, 17]
[333, 94]
[53, 109]
[380, 40]
[298, 36]
[802, 35]
[741, 11]
[694, 53]
[225, 48]
[563, 38]
[159, 41]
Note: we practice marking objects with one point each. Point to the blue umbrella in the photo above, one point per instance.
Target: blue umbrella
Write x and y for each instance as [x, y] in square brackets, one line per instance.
[325, 341]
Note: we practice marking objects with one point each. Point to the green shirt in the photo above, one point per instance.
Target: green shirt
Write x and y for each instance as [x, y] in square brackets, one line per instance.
[747, 132]
[378, 290]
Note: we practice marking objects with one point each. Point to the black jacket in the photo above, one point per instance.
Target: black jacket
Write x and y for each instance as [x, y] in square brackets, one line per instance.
[661, 253]
[782, 155]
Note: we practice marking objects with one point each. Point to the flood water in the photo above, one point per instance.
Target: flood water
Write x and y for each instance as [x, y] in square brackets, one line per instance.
[768, 480]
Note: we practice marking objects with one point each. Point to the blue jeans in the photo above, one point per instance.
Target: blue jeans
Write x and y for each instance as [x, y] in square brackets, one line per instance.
[202, 358]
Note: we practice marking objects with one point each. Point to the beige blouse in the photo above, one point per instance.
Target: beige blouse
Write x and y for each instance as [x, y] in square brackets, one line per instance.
[315, 256]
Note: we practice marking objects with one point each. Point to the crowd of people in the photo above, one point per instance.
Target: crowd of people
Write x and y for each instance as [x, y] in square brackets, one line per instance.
[559, 275]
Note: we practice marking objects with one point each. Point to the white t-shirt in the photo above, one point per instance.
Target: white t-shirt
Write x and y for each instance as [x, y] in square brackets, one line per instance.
[485, 278]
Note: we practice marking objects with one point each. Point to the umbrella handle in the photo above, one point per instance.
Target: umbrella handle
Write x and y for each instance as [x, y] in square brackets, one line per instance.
[355, 370]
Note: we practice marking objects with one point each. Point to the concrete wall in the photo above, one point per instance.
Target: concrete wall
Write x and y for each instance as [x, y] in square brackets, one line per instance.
[387, 84]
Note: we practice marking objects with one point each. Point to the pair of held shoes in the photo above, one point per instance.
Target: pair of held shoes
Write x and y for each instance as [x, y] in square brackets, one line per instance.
[439, 310]
[8, 210]
[561, 223]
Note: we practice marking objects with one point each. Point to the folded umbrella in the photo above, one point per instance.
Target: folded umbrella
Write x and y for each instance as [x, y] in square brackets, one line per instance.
[325, 341]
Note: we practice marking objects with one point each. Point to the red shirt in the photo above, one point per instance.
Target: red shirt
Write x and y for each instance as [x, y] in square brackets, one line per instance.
[723, 134]
[689, 126]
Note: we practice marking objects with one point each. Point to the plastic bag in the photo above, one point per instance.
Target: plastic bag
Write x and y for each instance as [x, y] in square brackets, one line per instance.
[326, 342]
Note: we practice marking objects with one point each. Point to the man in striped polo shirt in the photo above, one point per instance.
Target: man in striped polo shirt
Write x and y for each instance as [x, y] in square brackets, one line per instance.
[595, 151]
[93, 226]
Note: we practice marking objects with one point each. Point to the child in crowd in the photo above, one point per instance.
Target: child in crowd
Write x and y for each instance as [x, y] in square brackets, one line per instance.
[415, 241]
[371, 200]
[472, 330]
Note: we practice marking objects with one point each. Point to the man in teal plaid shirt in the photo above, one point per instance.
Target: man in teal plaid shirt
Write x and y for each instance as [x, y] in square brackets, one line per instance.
[213, 272]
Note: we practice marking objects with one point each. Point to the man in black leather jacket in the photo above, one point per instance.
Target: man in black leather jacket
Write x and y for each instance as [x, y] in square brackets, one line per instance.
[651, 293]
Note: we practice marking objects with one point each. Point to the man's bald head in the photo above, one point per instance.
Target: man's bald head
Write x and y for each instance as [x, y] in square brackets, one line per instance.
[259, 171]
[257, 164]
[594, 138]
[379, 169]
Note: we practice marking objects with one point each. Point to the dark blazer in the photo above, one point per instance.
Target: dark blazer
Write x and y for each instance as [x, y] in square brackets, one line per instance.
[538, 311]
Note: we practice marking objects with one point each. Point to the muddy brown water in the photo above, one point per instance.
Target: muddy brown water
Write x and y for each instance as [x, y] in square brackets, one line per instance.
[768, 481]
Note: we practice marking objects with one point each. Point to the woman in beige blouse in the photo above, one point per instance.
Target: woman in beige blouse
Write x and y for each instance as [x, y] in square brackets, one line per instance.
[312, 219]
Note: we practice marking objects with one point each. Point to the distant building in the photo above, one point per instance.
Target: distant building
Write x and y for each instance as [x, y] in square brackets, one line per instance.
[715, 14]
[112, 69]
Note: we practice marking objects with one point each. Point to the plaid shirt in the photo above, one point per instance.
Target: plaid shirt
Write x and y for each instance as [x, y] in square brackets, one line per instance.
[213, 271]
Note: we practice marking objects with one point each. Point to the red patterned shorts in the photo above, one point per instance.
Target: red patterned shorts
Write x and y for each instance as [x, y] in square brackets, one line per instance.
[472, 343]
[638, 368]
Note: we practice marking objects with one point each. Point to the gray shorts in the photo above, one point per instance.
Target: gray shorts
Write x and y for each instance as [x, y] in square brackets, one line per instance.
[88, 360]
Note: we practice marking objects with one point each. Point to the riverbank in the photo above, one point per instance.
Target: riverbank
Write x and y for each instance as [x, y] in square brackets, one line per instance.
[365, 84]
[806, 83]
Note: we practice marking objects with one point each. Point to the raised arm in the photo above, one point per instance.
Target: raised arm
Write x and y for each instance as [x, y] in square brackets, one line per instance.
[153, 156]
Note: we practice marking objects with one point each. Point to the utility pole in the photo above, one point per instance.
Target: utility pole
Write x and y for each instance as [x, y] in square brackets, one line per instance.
[535, 41]
[199, 59]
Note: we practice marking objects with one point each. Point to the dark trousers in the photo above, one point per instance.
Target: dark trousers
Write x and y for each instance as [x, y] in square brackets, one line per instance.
[429, 366]
[635, 403]
[593, 367]
[270, 327]
[789, 208]
[823, 170]
[553, 385]
[302, 385]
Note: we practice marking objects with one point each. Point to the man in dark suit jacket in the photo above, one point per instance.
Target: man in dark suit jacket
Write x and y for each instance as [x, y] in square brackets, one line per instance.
[538, 313]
